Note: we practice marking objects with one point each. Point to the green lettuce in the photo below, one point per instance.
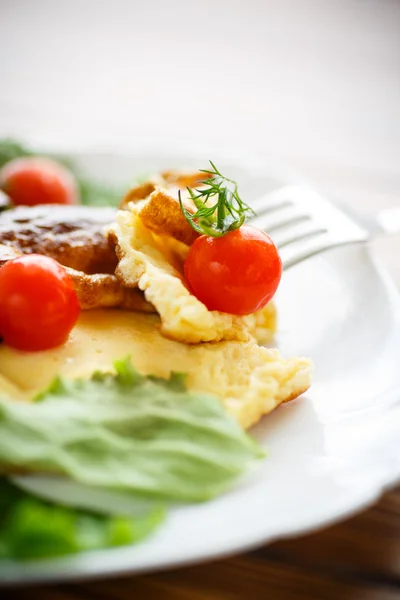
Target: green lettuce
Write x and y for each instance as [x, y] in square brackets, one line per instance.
[31, 528]
[128, 432]
[91, 192]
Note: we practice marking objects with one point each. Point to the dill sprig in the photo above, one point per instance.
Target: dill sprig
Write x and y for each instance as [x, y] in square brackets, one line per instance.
[227, 213]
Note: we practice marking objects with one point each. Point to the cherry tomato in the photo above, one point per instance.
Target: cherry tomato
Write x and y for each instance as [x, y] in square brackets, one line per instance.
[38, 303]
[237, 273]
[32, 181]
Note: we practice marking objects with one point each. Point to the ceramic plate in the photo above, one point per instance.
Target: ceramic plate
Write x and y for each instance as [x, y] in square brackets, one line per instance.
[330, 453]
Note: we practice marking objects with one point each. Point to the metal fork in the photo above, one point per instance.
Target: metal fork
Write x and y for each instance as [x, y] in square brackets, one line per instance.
[302, 223]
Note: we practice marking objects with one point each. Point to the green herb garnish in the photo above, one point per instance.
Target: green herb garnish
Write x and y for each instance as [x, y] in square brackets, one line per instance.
[227, 213]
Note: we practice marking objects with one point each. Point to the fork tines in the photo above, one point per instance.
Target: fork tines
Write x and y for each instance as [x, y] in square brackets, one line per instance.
[302, 223]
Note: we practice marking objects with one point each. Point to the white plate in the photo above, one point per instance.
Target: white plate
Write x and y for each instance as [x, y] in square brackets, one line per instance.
[331, 453]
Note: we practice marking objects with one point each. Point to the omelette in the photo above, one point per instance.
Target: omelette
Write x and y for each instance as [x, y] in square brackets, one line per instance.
[154, 263]
[219, 352]
[249, 379]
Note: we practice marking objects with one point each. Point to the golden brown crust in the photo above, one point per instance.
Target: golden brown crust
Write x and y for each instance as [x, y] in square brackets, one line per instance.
[74, 237]
[162, 214]
[296, 393]
[184, 179]
[102, 290]
[159, 206]
[139, 192]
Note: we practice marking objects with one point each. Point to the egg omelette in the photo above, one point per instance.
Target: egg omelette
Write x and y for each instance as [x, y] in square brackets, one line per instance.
[218, 352]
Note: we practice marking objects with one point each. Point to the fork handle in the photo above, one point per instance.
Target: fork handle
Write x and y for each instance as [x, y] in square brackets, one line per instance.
[389, 220]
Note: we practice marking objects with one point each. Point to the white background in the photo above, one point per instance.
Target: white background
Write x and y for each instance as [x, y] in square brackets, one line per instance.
[315, 82]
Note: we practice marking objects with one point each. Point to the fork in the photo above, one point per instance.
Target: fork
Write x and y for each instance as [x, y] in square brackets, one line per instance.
[302, 223]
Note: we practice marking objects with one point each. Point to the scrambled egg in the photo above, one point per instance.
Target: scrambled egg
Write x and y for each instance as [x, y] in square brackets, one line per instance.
[154, 263]
[251, 381]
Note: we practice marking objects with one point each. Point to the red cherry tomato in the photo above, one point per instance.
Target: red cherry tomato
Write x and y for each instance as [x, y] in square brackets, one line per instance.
[237, 273]
[38, 303]
[32, 181]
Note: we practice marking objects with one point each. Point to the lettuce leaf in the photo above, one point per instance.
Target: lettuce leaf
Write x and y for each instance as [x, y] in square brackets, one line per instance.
[31, 528]
[128, 432]
[91, 193]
